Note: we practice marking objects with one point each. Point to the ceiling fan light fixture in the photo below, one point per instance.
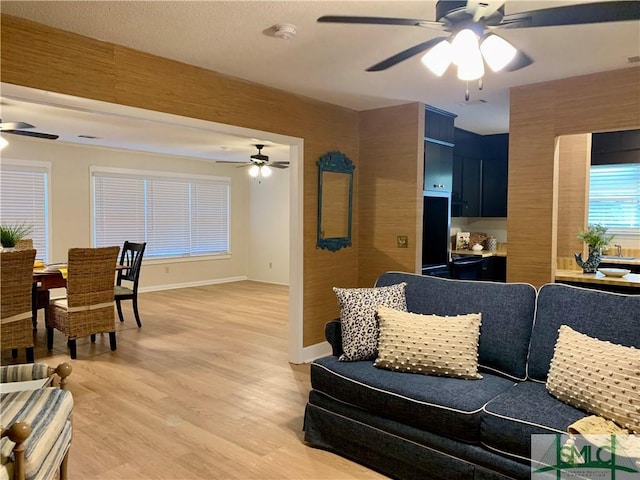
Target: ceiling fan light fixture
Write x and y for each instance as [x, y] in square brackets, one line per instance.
[464, 46]
[497, 52]
[438, 58]
[254, 171]
[265, 171]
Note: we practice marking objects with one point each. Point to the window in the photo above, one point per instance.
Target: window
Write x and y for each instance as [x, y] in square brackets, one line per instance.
[24, 198]
[176, 216]
[614, 197]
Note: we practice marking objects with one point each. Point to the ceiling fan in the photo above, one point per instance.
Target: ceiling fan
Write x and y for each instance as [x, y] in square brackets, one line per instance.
[259, 164]
[471, 41]
[22, 128]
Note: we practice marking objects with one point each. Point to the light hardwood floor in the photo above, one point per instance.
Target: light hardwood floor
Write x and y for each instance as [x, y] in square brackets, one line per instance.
[202, 391]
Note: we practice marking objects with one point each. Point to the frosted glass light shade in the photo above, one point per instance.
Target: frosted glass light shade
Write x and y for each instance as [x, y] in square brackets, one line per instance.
[438, 58]
[265, 171]
[3, 142]
[497, 52]
[464, 45]
[254, 171]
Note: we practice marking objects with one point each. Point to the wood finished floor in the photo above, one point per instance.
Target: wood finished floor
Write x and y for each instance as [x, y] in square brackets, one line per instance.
[202, 391]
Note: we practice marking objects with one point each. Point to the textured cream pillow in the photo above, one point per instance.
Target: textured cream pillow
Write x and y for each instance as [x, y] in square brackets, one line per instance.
[429, 344]
[597, 376]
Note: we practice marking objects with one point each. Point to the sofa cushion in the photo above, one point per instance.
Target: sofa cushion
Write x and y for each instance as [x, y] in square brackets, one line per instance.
[610, 317]
[507, 314]
[428, 344]
[597, 376]
[357, 317]
[47, 411]
[450, 407]
[509, 420]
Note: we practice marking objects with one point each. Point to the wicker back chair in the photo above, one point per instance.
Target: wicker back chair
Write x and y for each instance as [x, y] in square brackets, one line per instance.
[88, 307]
[24, 244]
[16, 280]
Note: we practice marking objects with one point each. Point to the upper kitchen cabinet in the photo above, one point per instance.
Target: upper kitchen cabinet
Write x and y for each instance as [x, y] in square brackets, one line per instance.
[438, 150]
[480, 172]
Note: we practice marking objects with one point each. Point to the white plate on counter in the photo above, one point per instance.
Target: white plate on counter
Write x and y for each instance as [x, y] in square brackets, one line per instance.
[614, 272]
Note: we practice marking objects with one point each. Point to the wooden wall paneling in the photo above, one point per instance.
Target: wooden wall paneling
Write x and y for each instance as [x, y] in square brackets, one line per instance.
[47, 58]
[574, 155]
[392, 149]
[33, 57]
[538, 114]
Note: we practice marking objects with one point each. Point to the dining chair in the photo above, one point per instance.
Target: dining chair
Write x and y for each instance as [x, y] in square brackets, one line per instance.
[88, 306]
[131, 258]
[16, 278]
[24, 244]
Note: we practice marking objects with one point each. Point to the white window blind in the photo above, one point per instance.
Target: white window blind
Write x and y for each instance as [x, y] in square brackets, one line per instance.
[175, 216]
[614, 197]
[24, 199]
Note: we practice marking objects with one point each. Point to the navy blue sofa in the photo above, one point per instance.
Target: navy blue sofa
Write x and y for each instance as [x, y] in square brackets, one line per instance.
[413, 426]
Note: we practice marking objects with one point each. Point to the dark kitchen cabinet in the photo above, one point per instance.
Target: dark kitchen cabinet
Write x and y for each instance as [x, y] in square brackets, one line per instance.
[438, 150]
[480, 174]
[438, 167]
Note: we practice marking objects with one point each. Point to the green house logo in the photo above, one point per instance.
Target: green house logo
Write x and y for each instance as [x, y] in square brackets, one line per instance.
[602, 457]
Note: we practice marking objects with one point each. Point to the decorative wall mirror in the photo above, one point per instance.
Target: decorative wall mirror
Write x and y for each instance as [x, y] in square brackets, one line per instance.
[335, 193]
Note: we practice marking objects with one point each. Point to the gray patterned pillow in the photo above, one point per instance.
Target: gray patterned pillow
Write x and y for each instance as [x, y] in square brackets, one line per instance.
[429, 344]
[357, 318]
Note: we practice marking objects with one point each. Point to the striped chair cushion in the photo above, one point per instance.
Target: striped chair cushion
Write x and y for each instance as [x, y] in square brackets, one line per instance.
[23, 373]
[47, 411]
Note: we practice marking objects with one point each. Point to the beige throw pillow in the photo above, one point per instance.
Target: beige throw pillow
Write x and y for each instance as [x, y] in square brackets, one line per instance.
[597, 376]
[429, 344]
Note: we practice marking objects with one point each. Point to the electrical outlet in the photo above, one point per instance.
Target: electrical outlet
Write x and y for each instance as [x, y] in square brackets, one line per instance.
[166, 269]
[270, 265]
[403, 241]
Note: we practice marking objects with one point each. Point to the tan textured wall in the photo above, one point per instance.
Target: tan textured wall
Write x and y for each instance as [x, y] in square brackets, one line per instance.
[45, 58]
[574, 157]
[538, 114]
[392, 153]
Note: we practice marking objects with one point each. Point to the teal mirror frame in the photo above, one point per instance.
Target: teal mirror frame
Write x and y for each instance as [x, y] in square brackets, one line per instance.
[334, 162]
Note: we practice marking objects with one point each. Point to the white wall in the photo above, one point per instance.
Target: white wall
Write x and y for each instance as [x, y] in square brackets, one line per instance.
[269, 228]
[71, 207]
[495, 226]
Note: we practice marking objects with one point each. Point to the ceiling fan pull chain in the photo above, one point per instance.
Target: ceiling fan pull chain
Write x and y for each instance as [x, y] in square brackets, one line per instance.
[480, 84]
[466, 92]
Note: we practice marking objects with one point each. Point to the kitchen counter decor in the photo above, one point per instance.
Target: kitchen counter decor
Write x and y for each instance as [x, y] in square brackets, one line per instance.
[596, 238]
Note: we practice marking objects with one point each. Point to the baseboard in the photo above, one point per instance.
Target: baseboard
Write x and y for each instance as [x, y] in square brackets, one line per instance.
[312, 352]
[172, 286]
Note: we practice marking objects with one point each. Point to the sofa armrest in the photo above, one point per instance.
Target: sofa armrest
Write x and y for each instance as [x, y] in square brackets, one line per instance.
[333, 334]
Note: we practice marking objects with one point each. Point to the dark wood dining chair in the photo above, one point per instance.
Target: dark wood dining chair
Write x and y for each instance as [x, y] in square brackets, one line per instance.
[131, 259]
[88, 306]
[16, 278]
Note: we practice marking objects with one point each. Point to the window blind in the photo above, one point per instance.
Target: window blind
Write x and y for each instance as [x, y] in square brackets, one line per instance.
[175, 217]
[24, 199]
[614, 197]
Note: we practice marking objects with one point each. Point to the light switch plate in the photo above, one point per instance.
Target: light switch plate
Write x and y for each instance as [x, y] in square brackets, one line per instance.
[403, 241]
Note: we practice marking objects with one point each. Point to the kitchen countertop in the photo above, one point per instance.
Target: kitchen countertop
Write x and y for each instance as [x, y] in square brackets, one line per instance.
[629, 280]
[481, 253]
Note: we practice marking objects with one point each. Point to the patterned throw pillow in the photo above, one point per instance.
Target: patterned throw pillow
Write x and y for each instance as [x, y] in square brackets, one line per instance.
[597, 376]
[429, 344]
[357, 318]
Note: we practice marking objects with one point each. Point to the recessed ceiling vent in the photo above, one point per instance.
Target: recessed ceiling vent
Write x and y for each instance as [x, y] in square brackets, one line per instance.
[635, 59]
[90, 137]
[472, 103]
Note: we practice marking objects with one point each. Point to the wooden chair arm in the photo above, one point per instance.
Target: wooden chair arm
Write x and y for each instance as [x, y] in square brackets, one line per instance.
[18, 433]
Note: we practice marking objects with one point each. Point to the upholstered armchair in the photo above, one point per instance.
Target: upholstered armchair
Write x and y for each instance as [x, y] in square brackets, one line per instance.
[35, 421]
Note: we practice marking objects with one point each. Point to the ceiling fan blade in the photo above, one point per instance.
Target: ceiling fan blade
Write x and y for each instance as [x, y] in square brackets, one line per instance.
[27, 133]
[14, 126]
[411, 22]
[404, 55]
[521, 60]
[278, 165]
[597, 12]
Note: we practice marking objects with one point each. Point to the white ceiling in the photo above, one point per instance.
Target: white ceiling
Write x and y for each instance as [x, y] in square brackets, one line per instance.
[323, 61]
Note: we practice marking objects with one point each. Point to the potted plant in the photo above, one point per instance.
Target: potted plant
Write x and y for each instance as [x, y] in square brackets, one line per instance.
[596, 238]
[10, 235]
